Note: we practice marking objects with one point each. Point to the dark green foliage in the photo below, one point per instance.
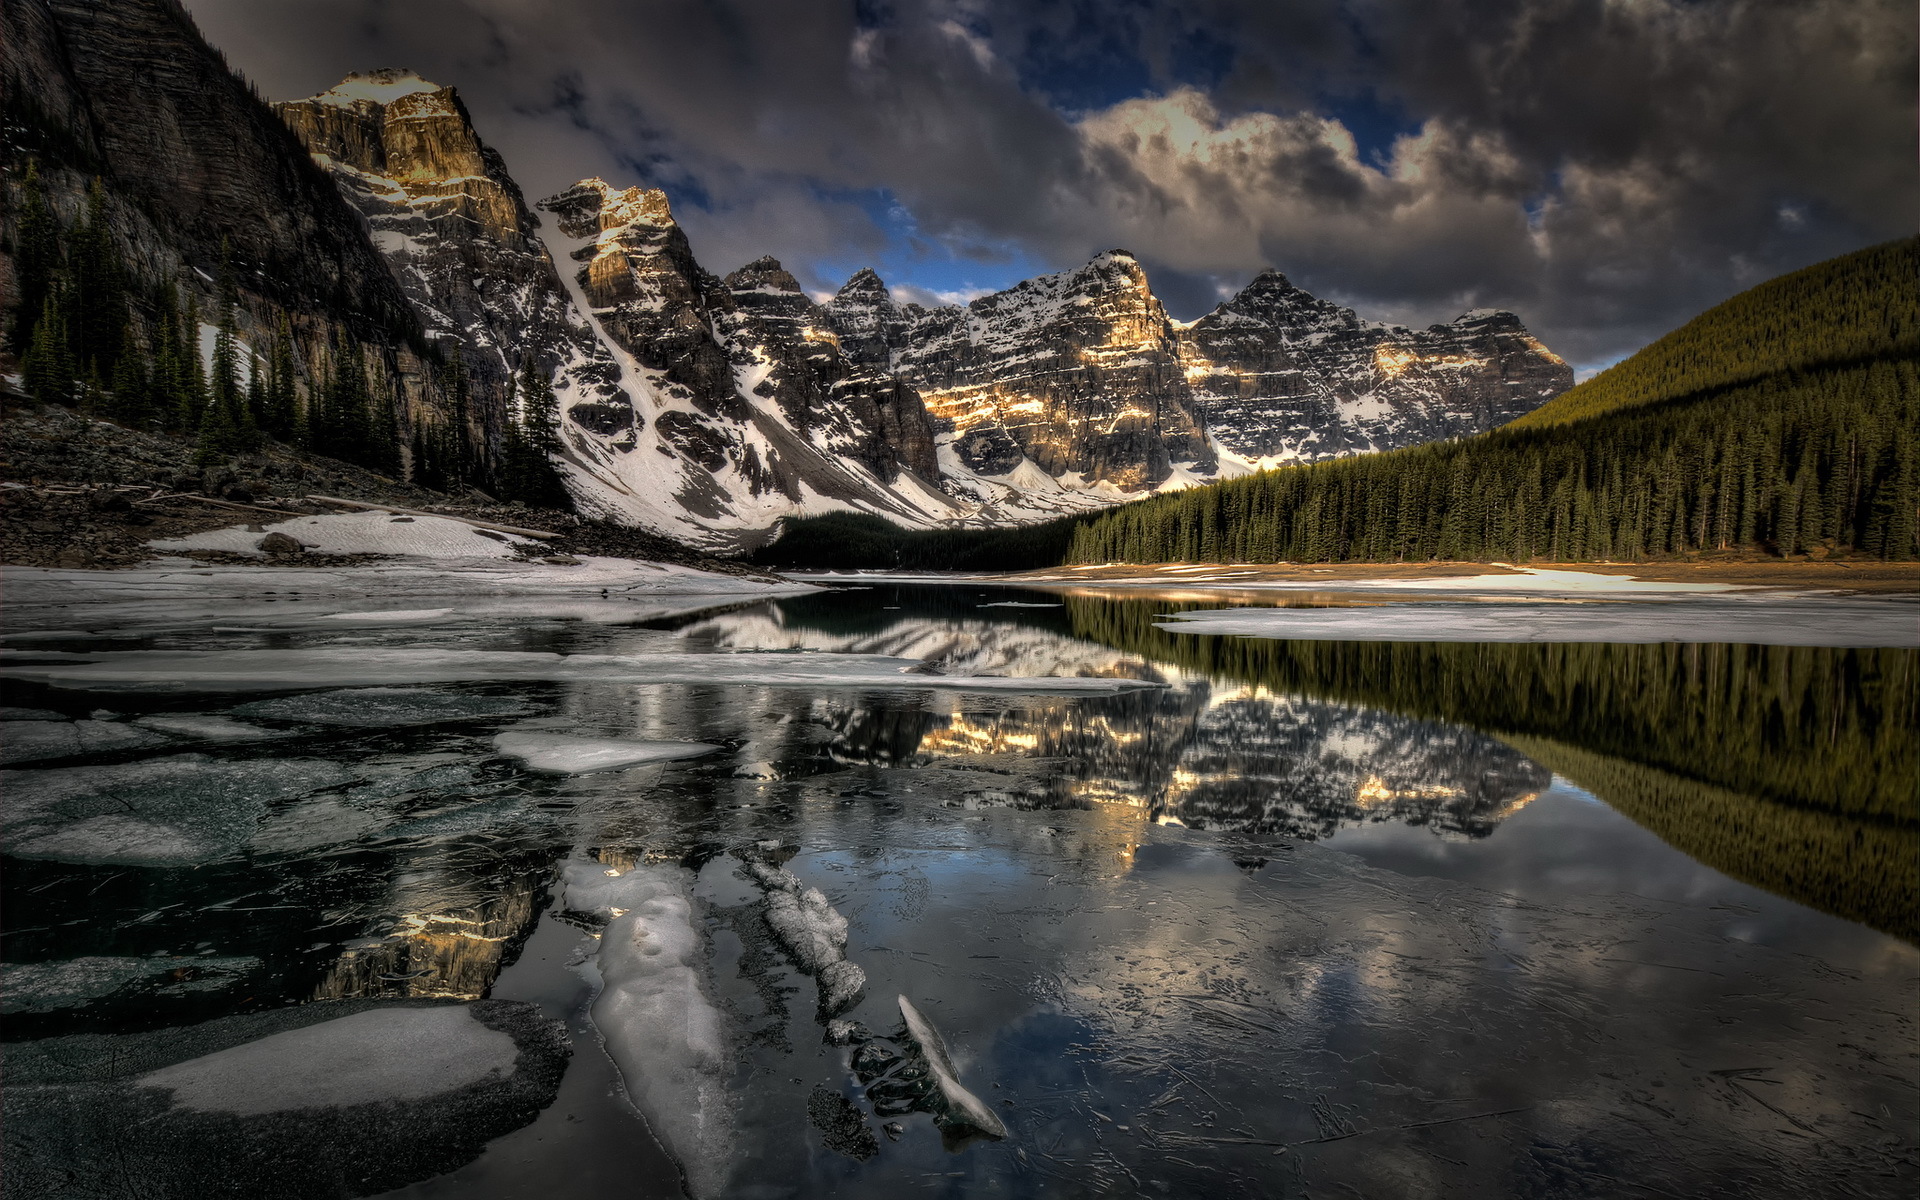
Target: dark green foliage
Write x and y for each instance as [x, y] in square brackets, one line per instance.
[132, 390]
[848, 541]
[1833, 729]
[278, 405]
[1789, 463]
[36, 260]
[48, 365]
[527, 472]
[95, 291]
[1849, 309]
[227, 428]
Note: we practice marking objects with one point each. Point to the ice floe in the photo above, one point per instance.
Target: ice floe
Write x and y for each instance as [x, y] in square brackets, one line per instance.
[1755, 620]
[273, 670]
[176, 811]
[960, 1107]
[814, 933]
[388, 1054]
[381, 707]
[561, 754]
[660, 1029]
[210, 727]
[37, 987]
[46, 601]
[31, 740]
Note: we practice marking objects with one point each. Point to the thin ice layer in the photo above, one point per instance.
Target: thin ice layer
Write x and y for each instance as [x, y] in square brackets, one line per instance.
[177, 811]
[560, 754]
[34, 739]
[383, 708]
[963, 1108]
[39, 987]
[210, 727]
[1756, 620]
[660, 1029]
[267, 670]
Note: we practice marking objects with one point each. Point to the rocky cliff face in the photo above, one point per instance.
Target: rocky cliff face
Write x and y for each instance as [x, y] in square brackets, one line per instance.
[1282, 376]
[458, 237]
[1080, 381]
[192, 161]
[375, 220]
[756, 409]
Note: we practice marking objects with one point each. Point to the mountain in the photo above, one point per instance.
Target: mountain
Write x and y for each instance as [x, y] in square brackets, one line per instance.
[198, 178]
[1781, 422]
[1080, 380]
[373, 270]
[458, 238]
[1282, 376]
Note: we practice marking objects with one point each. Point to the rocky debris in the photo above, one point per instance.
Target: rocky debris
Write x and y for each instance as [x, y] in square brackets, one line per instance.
[348, 1098]
[88, 493]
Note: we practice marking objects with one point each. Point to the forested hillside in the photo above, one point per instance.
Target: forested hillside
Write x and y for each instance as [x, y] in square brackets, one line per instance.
[1860, 306]
[1784, 421]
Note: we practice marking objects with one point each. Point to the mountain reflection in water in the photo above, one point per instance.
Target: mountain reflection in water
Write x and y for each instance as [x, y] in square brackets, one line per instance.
[1796, 769]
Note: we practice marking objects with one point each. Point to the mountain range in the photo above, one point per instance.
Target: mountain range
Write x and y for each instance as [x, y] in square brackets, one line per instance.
[374, 225]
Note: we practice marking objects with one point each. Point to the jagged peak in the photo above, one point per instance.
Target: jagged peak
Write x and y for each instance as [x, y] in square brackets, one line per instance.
[865, 284]
[382, 87]
[763, 274]
[610, 208]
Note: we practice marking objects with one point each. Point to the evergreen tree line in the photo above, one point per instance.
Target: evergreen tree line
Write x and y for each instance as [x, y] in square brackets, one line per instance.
[75, 326]
[1850, 309]
[1786, 464]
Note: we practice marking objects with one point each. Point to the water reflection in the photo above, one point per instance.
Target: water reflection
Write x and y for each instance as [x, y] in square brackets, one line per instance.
[1104, 903]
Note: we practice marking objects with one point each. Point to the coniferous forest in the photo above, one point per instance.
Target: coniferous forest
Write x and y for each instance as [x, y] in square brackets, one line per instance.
[94, 335]
[1782, 422]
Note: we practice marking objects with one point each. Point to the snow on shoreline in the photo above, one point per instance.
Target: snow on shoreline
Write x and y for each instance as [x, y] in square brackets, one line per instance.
[361, 533]
[1521, 580]
[1845, 622]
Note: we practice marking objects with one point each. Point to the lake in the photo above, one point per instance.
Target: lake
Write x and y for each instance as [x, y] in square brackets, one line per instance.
[1222, 915]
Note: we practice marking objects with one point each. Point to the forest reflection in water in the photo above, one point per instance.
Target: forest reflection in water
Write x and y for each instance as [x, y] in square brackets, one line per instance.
[1794, 769]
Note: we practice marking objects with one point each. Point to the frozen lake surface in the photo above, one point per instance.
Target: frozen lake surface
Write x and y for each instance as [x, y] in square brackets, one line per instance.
[948, 890]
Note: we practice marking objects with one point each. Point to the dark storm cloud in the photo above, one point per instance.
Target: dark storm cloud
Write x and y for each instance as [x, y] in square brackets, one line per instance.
[1604, 168]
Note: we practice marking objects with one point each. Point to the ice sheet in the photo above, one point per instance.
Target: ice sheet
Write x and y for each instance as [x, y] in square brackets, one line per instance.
[43, 601]
[814, 933]
[963, 1108]
[559, 754]
[177, 811]
[31, 740]
[372, 1057]
[272, 670]
[211, 727]
[1756, 620]
[378, 707]
[660, 1028]
[39, 987]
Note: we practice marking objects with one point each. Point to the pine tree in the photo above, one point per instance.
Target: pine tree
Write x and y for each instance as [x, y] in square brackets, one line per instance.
[228, 426]
[132, 398]
[48, 365]
[97, 289]
[36, 259]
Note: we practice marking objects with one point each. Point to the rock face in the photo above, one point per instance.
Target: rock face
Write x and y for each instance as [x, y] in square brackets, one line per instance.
[1281, 375]
[195, 168]
[1083, 376]
[756, 410]
[458, 237]
[374, 220]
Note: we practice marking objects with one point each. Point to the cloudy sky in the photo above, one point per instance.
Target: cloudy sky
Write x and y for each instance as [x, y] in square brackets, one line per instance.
[1605, 168]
